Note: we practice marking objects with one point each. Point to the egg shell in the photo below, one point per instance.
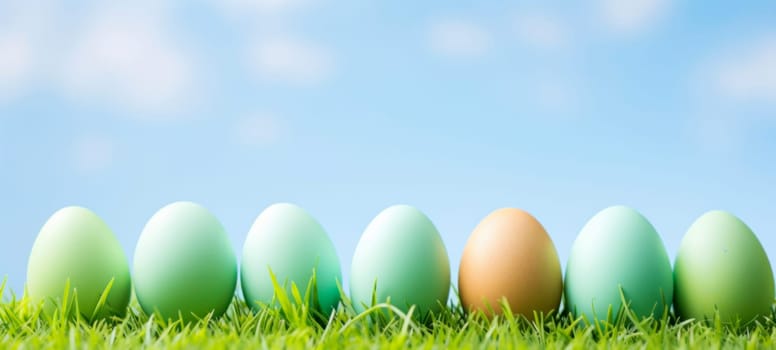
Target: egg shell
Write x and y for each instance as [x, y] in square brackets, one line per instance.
[510, 255]
[722, 266]
[75, 245]
[184, 264]
[618, 248]
[290, 242]
[403, 254]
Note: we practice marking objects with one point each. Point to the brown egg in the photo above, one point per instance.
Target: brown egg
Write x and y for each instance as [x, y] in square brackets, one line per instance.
[509, 255]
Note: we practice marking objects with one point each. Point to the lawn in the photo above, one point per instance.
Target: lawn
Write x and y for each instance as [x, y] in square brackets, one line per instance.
[293, 324]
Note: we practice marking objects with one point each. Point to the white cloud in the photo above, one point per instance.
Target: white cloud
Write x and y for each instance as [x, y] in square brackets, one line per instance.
[735, 91]
[460, 38]
[92, 154]
[15, 62]
[24, 48]
[541, 31]
[258, 130]
[121, 55]
[127, 56]
[747, 74]
[632, 16]
[291, 61]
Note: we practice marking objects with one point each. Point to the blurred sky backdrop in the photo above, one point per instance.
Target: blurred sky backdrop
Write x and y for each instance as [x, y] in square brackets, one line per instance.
[347, 107]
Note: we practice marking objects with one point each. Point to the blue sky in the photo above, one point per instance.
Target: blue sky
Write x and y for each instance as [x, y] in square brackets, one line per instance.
[348, 107]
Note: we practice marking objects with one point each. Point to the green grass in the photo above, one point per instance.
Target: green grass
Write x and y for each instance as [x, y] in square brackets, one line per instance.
[293, 323]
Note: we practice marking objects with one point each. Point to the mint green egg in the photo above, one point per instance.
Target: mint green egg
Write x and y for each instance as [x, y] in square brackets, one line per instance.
[76, 246]
[184, 264]
[722, 266]
[618, 249]
[293, 245]
[402, 255]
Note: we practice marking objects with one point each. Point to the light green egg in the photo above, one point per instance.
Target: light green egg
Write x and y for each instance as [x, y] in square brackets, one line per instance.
[722, 266]
[184, 264]
[402, 255]
[290, 242]
[618, 249]
[76, 246]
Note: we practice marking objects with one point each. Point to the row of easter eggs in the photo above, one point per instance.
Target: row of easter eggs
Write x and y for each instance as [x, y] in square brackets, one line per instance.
[184, 264]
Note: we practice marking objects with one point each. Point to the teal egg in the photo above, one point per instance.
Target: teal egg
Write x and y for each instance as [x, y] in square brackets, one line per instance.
[618, 249]
[401, 257]
[75, 246]
[292, 244]
[722, 267]
[184, 264]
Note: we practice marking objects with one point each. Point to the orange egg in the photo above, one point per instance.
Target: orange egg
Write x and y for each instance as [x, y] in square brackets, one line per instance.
[510, 255]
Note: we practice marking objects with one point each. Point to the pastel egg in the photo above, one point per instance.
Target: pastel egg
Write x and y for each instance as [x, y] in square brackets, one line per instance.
[510, 255]
[401, 257]
[184, 264]
[286, 240]
[722, 267]
[75, 246]
[618, 255]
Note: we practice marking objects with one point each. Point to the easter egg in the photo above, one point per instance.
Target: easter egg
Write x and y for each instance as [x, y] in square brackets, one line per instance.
[721, 266]
[184, 264]
[618, 256]
[76, 248]
[400, 257]
[286, 240]
[510, 255]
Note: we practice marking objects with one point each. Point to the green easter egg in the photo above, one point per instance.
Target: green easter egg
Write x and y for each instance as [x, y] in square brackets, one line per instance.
[76, 246]
[722, 266]
[184, 264]
[402, 254]
[618, 249]
[292, 244]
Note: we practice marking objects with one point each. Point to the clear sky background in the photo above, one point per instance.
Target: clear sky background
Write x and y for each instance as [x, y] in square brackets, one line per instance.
[347, 107]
